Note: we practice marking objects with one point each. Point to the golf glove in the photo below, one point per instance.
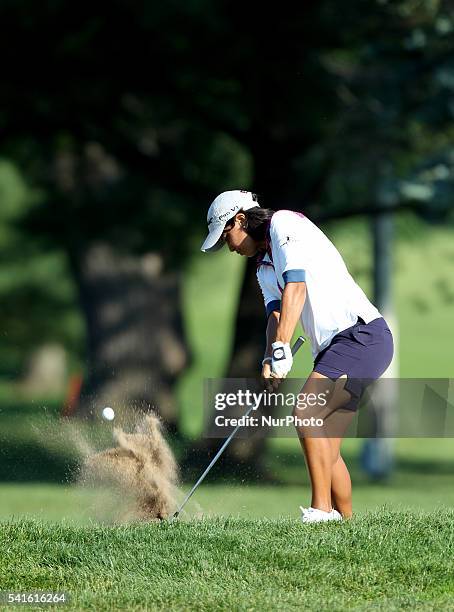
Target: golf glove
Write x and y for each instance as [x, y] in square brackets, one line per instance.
[282, 359]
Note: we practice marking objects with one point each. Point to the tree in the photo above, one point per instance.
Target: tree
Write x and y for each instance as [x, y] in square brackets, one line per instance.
[124, 167]
[141, 117]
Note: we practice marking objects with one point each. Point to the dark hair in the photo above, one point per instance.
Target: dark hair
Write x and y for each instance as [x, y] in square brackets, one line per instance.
[257, 220]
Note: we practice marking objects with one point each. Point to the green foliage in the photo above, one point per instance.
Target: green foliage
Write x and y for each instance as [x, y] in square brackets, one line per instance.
[126, 156]
[36, 290]
[125, 125]
[392, 141]
[324, 107]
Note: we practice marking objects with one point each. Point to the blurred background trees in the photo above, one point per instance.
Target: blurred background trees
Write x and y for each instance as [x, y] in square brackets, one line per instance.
[120, 123]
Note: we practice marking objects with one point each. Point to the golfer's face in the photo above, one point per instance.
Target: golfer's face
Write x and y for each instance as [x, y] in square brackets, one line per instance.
[238, 240]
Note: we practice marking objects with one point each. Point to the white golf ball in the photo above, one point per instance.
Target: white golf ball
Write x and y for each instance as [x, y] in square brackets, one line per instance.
[108, 413]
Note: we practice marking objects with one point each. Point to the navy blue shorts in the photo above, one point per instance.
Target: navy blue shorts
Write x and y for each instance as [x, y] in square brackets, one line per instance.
[362, 352]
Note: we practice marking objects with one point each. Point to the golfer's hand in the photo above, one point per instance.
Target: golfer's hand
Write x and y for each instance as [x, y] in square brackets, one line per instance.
[267, 380]
[282, 359]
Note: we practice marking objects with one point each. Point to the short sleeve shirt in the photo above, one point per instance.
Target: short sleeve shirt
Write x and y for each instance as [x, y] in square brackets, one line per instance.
[298, 251]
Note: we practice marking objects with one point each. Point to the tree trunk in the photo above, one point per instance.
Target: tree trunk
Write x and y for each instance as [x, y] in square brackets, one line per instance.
[135, 340]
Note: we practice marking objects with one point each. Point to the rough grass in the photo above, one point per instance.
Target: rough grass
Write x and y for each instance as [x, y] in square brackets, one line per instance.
[381, 560]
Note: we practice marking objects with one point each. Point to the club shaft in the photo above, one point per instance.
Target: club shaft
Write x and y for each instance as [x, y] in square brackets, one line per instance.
[213, 461]
[299, 342]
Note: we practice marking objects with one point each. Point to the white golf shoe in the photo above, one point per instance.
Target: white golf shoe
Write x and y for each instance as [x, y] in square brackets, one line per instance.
[314, 515]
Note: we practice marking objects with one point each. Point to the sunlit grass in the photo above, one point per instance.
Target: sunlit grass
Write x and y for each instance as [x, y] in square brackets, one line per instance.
[395, 560]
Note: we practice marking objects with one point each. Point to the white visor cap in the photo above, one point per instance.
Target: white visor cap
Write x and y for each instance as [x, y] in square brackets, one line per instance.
[223, 208]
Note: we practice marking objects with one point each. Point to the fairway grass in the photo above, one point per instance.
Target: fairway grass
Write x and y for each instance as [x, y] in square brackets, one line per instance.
[382, 560]
[80, 506]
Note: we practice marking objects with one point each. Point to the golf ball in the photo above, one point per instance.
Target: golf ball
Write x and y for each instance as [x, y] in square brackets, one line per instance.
[108, 413]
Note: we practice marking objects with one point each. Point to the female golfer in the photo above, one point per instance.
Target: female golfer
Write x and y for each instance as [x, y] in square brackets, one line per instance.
[303, 277]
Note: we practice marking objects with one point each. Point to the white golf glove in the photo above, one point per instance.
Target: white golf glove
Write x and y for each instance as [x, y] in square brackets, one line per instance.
[282, 359]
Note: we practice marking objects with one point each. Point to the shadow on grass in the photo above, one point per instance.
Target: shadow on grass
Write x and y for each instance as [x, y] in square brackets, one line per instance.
[22, 458]
[288, 468]
[30, 462]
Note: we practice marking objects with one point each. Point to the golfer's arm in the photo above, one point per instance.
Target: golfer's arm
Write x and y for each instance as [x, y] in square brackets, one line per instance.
[292, 303]
[271, 331]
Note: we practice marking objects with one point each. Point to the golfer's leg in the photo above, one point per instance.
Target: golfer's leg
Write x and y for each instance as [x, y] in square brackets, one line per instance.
[341, 488]
[317, 447]
[341, 484]
[317, 452]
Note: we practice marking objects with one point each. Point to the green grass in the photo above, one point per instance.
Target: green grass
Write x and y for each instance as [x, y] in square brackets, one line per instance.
[423, 480]
[382, 560]
[60, 503]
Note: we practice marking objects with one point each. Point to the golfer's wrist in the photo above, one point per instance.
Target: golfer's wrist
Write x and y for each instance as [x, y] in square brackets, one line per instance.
[283, 335]
[267, 359]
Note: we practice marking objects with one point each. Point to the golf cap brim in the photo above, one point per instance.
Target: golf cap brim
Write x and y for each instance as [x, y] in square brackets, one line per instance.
[213, 241]
[222, 209]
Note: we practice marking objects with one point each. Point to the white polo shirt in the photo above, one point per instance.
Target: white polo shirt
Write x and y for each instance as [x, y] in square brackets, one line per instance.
[300, 251]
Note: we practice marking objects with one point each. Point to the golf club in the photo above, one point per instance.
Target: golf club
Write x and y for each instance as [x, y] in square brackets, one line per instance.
[298, 344]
